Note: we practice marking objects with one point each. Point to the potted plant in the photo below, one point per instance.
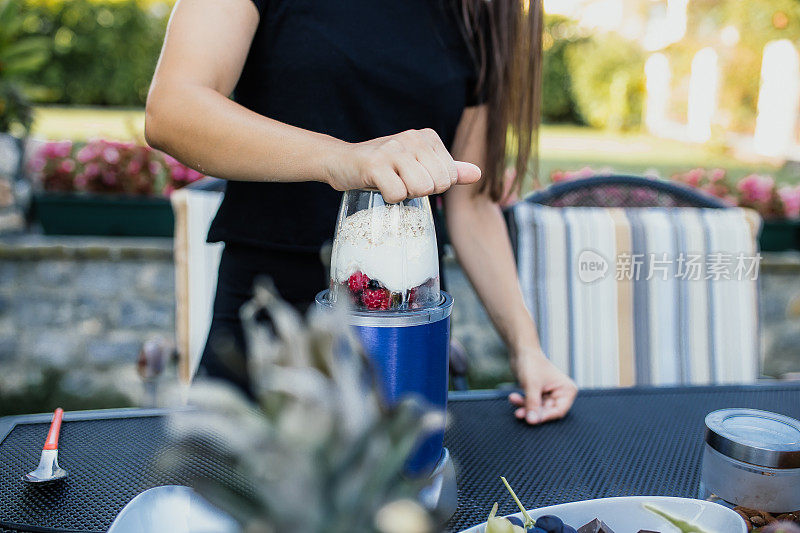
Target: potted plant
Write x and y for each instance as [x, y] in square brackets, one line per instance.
[106, 188]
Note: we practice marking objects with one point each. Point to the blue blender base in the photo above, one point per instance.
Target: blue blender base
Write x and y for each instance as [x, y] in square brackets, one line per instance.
[409, 351]
[440, 495]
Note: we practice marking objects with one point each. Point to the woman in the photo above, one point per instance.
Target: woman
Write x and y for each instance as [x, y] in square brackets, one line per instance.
[331, 96]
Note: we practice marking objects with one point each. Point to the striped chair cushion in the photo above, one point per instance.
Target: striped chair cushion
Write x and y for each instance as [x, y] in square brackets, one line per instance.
[642, 296]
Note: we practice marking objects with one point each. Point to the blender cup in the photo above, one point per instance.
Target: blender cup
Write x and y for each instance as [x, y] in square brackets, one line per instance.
[384, 255]
[385, 266]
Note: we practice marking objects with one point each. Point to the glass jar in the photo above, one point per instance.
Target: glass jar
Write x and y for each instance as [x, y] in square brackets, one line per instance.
[752, 458]
[384, 256]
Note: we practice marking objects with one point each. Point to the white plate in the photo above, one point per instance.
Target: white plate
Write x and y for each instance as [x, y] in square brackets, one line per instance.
[172, 509]
[628, 515]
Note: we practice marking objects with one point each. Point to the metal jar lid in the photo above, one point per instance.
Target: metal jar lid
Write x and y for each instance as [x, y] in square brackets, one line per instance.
[756, 437]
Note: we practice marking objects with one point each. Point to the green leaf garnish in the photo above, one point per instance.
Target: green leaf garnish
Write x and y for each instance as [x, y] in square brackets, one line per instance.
[683, 525]
[528, 520]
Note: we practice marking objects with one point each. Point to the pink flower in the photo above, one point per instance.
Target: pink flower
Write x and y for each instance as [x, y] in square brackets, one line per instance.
[558, 176]
[716, 175]
[154, 167]
[693, 177]
[193, 175]
[81, 180]
[58, 149]
[87, 153]
[111, 155]
[178, 172]
[170, 161]
[92, 170]
[790, 198]
[756, 188]
[66, 166]
[134, 167]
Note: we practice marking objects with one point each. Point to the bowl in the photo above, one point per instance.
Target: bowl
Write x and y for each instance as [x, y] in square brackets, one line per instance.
[628, 514]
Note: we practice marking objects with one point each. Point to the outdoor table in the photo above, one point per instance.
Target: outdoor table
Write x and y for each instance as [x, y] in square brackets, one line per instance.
[642, 441]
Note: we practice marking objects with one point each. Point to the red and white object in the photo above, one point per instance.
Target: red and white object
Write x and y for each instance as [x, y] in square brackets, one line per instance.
[48, 469]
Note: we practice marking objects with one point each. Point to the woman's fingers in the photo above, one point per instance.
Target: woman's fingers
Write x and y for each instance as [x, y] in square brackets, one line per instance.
[416, 158]
[467, 172]
[553, 404]
[437, 169]
[438, 147]
[392, 188]
[416, 177]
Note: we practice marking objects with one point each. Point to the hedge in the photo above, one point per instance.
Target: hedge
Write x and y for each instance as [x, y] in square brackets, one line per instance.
[103, 52]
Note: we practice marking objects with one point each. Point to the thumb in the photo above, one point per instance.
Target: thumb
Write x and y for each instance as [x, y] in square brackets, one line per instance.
[533, 403]
[467, 172]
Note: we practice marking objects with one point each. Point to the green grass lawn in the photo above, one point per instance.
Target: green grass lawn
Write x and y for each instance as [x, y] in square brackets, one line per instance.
[82, 123]
[561, 147]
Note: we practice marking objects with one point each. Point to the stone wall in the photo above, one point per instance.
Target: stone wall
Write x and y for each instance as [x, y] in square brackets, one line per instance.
[81, 303]
[90, 303]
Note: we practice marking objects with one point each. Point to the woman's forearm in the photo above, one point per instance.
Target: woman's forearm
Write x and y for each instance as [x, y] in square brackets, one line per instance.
[189, 116]
[219, 137]
[480, 238]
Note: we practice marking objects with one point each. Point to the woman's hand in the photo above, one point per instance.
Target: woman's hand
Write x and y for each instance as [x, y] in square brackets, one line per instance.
[549, 393]
[410, 164]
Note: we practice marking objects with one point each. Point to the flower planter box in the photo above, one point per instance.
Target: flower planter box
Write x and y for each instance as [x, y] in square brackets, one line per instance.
[780, 235]
[91, 214]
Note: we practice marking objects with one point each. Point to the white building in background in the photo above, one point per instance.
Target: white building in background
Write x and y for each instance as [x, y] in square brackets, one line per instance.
[654, 23]
[778, 100]
[702, 95]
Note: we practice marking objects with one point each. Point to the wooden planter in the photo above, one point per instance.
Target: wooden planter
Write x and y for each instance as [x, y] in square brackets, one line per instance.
[88, 214]
[780, 235]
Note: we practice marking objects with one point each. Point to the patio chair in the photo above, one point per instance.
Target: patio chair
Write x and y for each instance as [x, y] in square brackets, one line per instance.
[196, 264]
[578, 247]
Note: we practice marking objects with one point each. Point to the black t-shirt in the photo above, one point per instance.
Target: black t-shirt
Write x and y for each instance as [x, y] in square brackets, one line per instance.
[353, 69]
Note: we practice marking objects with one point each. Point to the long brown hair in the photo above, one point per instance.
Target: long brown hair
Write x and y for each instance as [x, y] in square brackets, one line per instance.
[506, 36]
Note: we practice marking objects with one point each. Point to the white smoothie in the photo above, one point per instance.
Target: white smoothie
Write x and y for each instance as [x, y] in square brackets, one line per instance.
[394, 245]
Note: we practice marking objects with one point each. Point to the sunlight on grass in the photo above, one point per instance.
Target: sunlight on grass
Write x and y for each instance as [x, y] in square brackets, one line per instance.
[561, 147]
[81, 124]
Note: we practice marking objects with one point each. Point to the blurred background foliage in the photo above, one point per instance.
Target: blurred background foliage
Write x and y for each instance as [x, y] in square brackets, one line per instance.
[21, 54]
[103, 52]
[738, 32]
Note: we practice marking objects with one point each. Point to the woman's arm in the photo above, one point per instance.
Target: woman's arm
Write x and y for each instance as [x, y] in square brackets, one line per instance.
[480, 238]
[190, 116]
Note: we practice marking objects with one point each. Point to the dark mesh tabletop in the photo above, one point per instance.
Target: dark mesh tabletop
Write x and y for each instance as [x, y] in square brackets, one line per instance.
[622, 442]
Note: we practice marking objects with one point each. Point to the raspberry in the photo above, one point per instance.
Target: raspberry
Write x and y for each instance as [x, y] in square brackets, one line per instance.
[375, 299]
[412, 294]
[358, 282]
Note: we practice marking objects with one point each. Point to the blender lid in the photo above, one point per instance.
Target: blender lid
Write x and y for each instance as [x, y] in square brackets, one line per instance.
[756, 437]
